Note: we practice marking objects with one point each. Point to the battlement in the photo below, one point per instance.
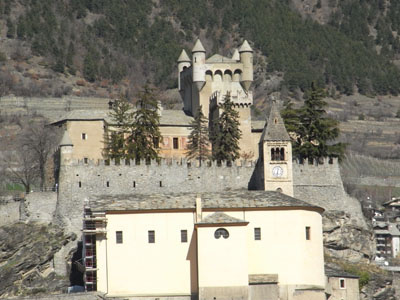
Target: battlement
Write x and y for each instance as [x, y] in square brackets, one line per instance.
[239, 98]
[184, 163]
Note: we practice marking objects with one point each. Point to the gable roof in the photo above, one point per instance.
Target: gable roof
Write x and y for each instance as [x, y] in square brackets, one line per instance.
[275, 129]
[221, 218]
[217, 58]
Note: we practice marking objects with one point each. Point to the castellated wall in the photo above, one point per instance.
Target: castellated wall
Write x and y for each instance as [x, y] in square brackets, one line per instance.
[320, 184]
[79, 180]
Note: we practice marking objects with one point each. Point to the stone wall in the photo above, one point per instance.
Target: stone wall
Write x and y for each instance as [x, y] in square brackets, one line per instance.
[78, 181]
[321, 185]
[39, 207]
[75, 296]
[318, 184]
[9, 211]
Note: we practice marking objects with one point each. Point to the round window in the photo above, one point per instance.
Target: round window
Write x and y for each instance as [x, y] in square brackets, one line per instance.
[221, 232]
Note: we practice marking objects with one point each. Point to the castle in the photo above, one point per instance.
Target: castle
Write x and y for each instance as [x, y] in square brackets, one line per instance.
[173, 229]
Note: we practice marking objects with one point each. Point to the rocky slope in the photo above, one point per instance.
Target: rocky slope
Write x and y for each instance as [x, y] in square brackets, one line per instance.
[26, 259]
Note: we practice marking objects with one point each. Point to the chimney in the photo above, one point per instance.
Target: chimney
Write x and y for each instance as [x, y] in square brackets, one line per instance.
[198, 209]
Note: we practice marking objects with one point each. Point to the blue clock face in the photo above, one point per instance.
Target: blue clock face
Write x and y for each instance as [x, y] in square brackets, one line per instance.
[277, 171]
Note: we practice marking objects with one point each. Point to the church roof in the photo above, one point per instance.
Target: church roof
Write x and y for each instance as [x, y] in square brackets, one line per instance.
[217, 58]
[198, 47]
[220, 200]
[221, 218]
[183, 57]
[275, 129]
[66, 141]
[245, 47]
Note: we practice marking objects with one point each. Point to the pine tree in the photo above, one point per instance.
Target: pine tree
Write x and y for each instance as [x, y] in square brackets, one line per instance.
[312, 132]
[199, 144]
[114, 139]
[144, 133]
[226, 133]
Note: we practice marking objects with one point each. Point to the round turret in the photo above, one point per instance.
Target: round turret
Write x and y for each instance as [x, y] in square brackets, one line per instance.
[183, 63]
[198, 63]
[246, 57]
[66, 149]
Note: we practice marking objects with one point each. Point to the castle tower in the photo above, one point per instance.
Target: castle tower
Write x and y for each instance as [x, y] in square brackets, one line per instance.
[198, 62]
[66, 147]
[183, 64]
[246, 57]
[277, 155]
[206, 82]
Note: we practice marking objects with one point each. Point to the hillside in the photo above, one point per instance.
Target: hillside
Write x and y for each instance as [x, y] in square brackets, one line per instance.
[102, 48]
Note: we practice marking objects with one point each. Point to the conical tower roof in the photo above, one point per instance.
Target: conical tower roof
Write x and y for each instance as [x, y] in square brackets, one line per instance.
[275, 129]
[198, 47]
[235, 55]
[245, 47]
[66, 141]
[183, 57]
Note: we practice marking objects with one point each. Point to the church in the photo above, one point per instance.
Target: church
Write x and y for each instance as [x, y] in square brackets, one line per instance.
[180, 231]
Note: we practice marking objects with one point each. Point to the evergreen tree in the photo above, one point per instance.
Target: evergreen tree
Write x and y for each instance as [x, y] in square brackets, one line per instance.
[312, 132]
[226, 133]
[199, 144]
[114, 139]
[144, 133]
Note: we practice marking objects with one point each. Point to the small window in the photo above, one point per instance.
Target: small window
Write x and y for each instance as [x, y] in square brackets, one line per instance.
[80, 184]
[176, 143]
[118, 237]
[342, 283]
[221, 232]
[152, 237]
[84, 136]
[308, 233]
[108, 183]
[184, 236]
[257, 234]
[85, 160]
[134, 184]
[160, 183]
[156, 142]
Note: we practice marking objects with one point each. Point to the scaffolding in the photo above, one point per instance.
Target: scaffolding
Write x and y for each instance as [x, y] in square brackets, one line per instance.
[94, 224]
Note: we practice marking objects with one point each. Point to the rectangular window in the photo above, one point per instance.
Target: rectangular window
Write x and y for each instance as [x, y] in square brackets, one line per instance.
[308, 233]
[84, 136]
[156, 142]
[108, 184]
[176, 143]
[85, 160]
[342, 283]
[184, 236]
[80, 184]
[257, 234]
[118, 236]
[152, 237]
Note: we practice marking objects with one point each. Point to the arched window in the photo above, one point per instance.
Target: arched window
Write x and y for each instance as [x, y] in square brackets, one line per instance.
[282, 156]
[218, 75]
[221, 232]
[237, 75]
[228, 75]
[209, 76]
[272, 154]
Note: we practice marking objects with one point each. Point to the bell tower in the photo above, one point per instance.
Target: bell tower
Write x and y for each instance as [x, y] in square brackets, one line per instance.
[277, 155]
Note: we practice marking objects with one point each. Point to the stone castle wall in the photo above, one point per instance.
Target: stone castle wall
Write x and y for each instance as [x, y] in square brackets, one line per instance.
[320, 184]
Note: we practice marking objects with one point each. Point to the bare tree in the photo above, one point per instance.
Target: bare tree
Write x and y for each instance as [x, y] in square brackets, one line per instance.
[21, 167]
[28, 151]
[40, 140]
